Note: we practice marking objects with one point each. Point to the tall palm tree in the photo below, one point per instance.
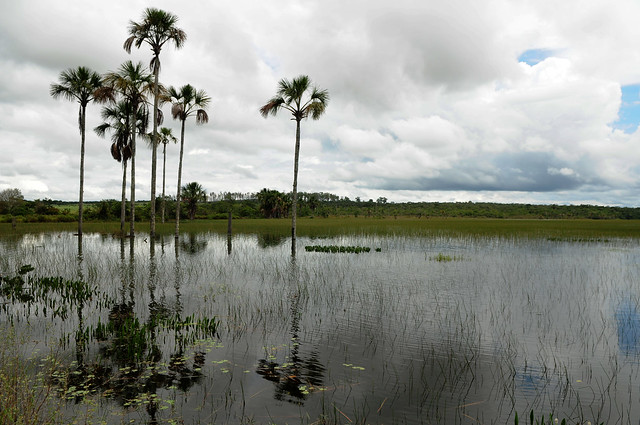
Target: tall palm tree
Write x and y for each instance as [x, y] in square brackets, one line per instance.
[186, 102]
[116, 119]
[78, 84]
[291, 96]
[192, 194]
[166, 136]
[156, 29]
[133, 83]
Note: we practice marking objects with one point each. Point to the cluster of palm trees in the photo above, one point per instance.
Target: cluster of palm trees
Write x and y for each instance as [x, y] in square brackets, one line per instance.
[126, 93]
[127, 112]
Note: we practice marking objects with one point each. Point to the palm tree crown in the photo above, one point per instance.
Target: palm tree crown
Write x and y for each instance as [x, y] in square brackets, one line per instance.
[290, 97]
[188, 101]
[79, 84]
[156, 28]
[132, 81]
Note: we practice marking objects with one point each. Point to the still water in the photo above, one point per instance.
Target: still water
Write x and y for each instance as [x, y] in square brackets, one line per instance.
[432, 330]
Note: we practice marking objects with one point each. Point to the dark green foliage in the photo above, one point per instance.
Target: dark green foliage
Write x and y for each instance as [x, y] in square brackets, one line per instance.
[54, 295]
[270, 203]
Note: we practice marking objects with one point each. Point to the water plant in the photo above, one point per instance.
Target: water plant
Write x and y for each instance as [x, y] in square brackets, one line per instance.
[50, 295]
[339, 249]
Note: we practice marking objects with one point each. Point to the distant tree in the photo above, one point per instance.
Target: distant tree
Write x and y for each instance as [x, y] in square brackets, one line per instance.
[187, 101]
[78, 84]
[10, 200]
[156, 29]
[192, 193]
[291, 96]
[273, 204]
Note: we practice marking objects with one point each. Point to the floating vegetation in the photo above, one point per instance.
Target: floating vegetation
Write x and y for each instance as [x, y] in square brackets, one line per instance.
[442, 258]
[339, 249]
[50, 295]
[578, 240]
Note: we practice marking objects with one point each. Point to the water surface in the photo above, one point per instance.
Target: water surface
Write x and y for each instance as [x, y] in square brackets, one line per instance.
[394, 336]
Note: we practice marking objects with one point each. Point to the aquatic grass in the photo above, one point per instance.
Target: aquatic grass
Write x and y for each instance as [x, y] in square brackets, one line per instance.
[26, 396]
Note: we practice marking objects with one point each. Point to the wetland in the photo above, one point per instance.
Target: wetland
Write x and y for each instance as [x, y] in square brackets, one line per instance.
[440, 322]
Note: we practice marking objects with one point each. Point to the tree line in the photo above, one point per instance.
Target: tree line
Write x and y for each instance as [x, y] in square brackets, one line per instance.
[270, 203]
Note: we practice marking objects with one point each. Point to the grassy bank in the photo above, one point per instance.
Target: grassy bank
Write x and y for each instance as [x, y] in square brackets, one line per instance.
[333, 226]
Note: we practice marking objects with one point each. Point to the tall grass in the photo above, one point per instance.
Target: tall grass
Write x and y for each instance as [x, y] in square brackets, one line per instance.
[508, 228]
[26, 395]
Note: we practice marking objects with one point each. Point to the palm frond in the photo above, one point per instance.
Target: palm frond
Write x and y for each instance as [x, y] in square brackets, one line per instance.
[202, 117]
[177, 111]
[115, 152]
[272, 107]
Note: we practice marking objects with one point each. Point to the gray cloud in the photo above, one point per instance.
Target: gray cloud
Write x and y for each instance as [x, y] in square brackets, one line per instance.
[428, 101]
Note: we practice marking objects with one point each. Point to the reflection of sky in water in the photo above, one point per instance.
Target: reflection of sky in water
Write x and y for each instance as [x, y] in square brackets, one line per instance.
[628, 320]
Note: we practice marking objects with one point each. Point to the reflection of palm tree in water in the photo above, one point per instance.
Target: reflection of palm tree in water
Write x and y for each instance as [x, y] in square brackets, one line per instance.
[194, 244]
[297, 377]
[133, 348]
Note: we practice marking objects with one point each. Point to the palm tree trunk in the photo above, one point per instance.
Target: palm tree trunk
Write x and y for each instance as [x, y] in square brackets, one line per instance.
[179, 180]
[294, 207]
[123, 202]
[83, 111]
[154, 149]
[164, 173]
[133, 183]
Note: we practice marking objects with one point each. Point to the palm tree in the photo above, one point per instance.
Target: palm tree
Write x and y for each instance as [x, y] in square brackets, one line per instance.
[192, 194]
[156, 28]
[79, 85]
[117, 119]
[166, 136]
[186, 102]
[290, 96]
[133, 83]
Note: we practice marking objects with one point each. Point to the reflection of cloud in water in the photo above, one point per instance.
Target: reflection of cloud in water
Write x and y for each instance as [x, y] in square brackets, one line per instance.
[628, 320]
[531, 380]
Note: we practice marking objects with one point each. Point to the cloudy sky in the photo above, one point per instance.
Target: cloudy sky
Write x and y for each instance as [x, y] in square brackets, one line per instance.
[457, 100]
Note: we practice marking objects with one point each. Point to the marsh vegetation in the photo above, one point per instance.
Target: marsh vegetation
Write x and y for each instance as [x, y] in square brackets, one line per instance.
[444, 325]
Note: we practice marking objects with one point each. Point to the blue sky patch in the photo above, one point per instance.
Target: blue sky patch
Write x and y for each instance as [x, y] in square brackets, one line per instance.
[535, 56]
[629, 113]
